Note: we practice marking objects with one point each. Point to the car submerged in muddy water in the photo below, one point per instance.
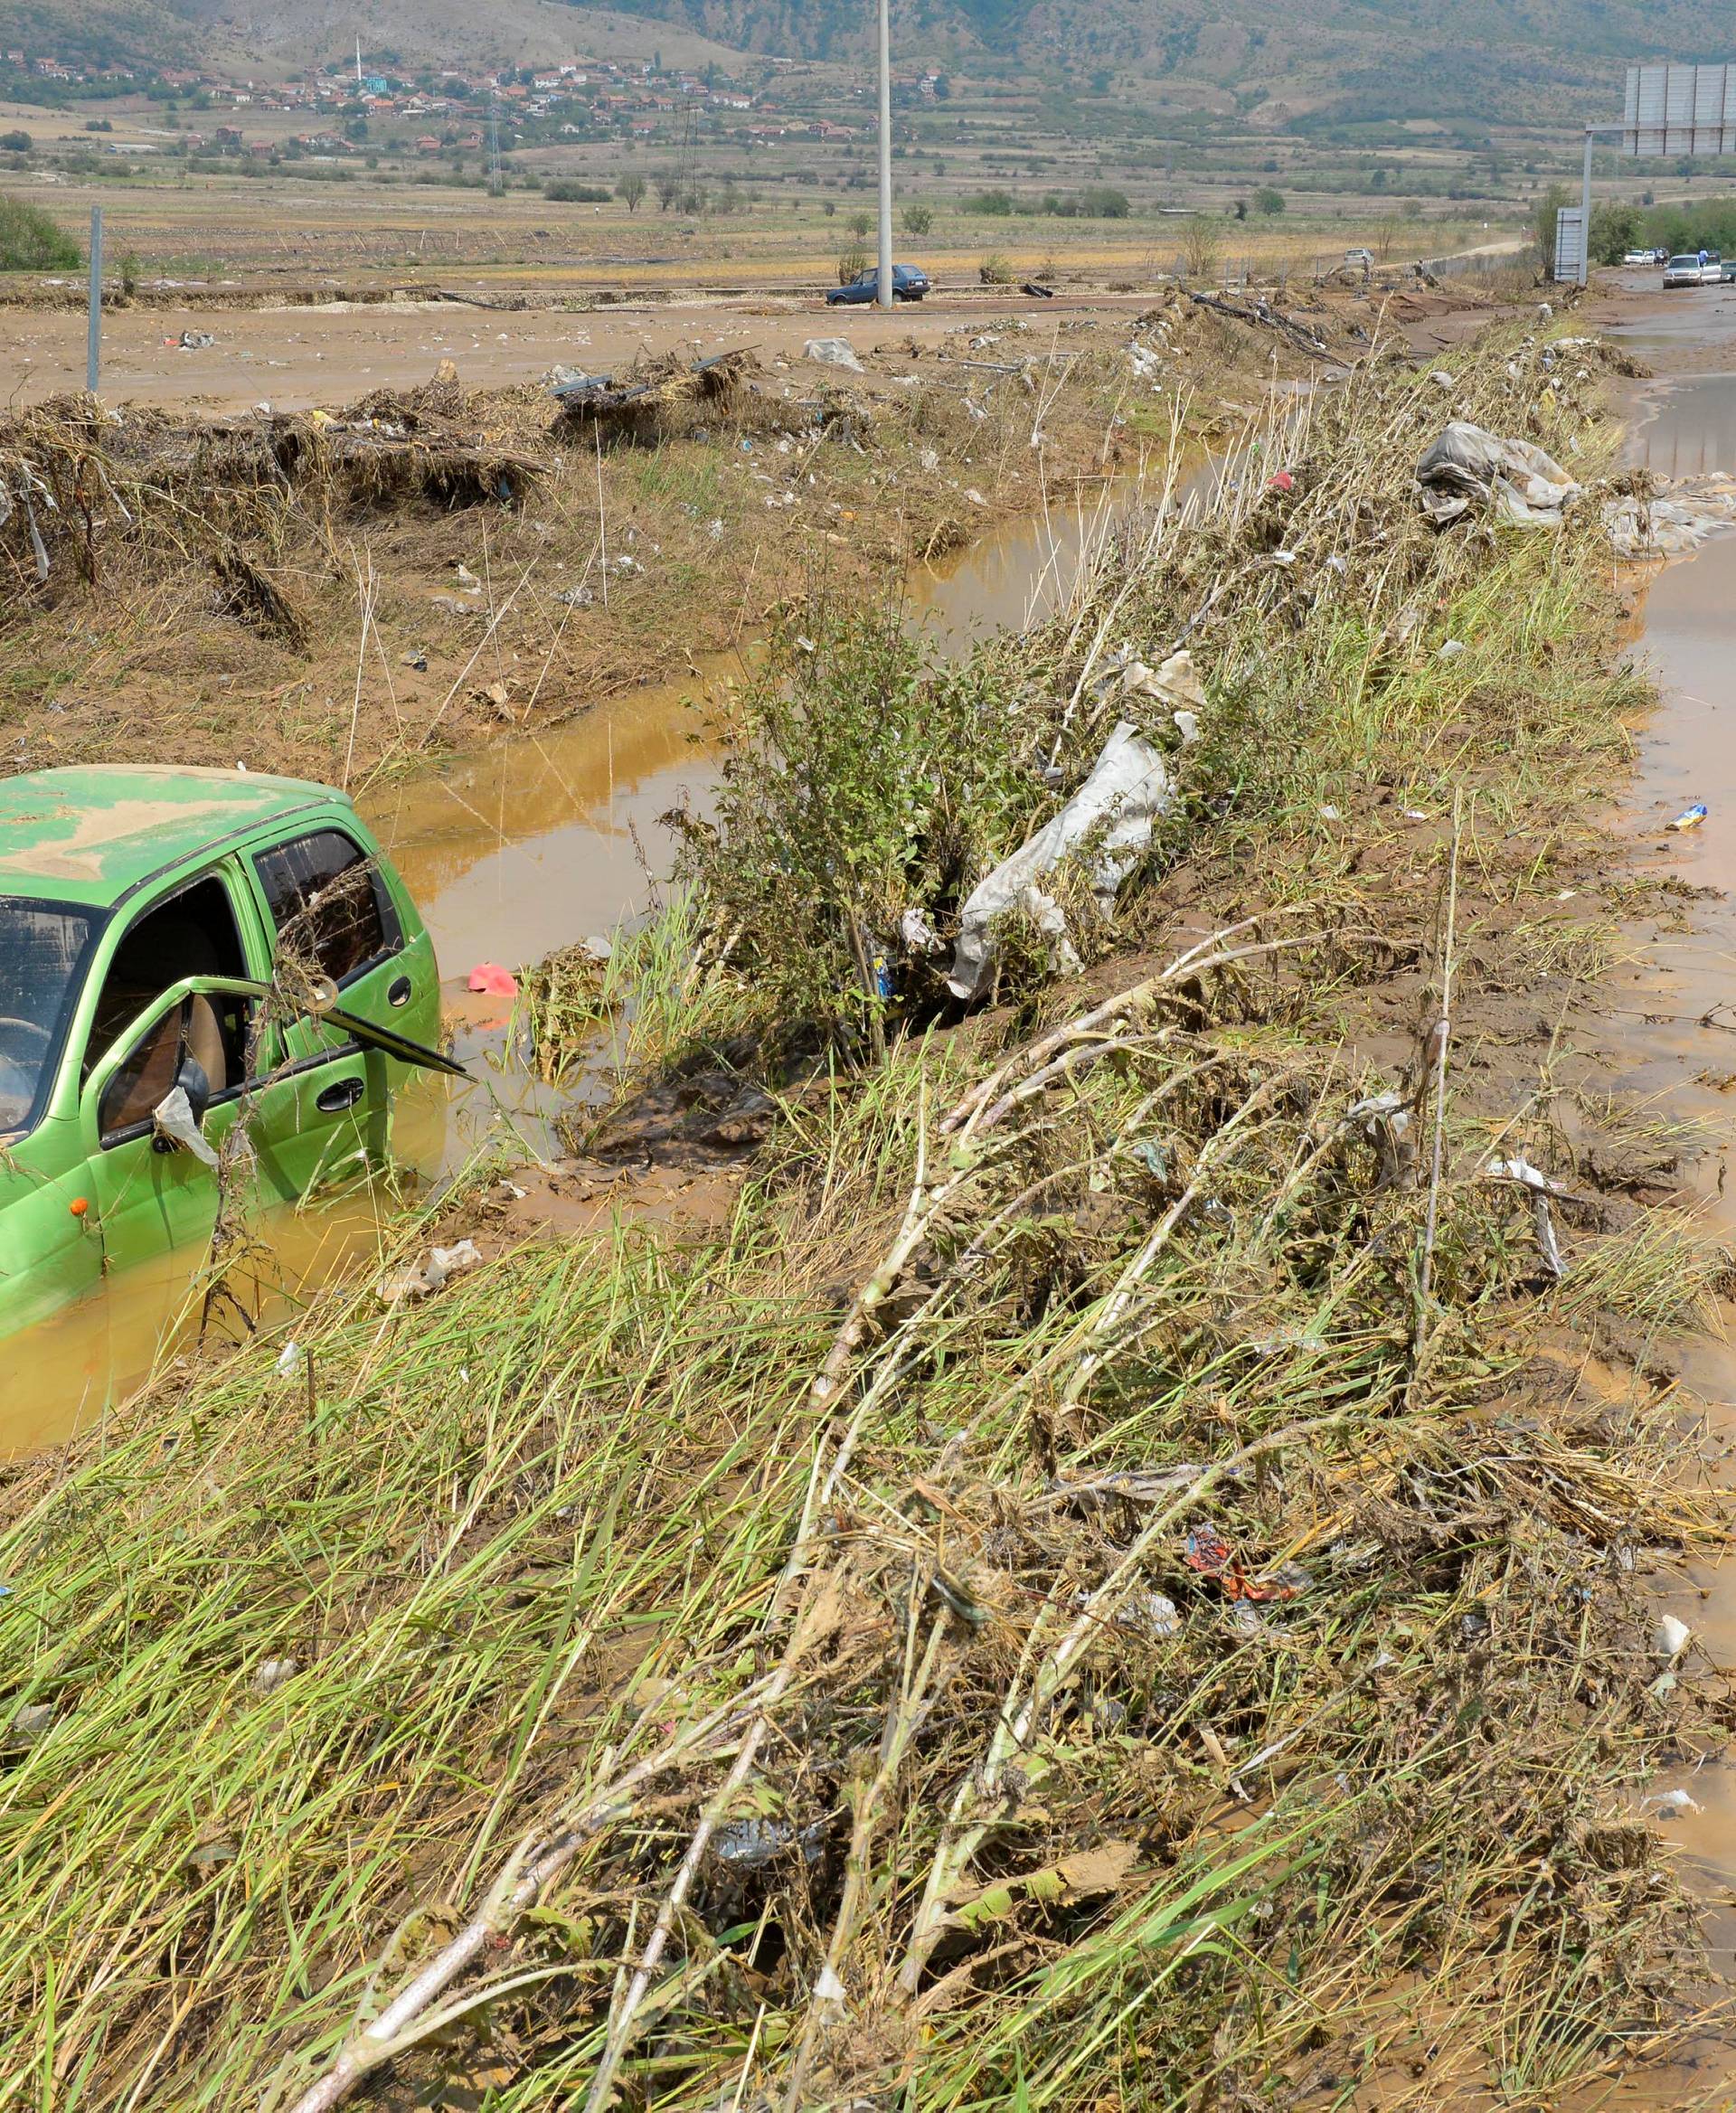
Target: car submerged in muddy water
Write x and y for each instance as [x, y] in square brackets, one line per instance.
[178, 948]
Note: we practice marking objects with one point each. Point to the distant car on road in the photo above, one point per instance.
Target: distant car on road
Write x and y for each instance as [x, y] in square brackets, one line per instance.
[909, 284]
[1688, 270]
[1640, 257]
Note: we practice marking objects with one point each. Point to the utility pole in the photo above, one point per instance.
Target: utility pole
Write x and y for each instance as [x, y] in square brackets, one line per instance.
[884, 276]
[358, 61]
[495, 184]
[94, 332]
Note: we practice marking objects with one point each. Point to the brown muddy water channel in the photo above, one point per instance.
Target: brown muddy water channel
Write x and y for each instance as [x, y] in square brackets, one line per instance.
[1673, 1014]
[530, 845]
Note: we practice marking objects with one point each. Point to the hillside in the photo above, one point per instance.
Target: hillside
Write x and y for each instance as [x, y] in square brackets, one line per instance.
[1278, 58]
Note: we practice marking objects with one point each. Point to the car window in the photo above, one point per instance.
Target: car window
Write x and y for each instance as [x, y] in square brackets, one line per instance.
[328, 903]
[192, 1028]
[192, 934]
[43, 949]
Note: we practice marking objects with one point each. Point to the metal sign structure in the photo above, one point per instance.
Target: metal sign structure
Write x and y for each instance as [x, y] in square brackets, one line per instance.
[1679, 109]
[1570, 244]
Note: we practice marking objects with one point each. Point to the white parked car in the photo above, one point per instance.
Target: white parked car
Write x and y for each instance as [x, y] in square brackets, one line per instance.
[1640, 257]
[1688, 270]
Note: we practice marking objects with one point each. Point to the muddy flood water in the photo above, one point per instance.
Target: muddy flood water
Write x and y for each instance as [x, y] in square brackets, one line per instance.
[533, 843]
[1674, 1012]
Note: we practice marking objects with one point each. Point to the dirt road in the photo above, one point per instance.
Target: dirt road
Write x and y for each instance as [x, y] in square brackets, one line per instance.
[295, 358]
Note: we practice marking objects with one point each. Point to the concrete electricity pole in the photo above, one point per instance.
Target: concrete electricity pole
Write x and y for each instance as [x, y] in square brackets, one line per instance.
[885, 289]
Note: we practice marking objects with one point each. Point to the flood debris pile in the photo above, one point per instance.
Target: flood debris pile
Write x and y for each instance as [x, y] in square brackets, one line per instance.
[1669, 516]
[96, 494]
[1106, 1580]
[272, 554]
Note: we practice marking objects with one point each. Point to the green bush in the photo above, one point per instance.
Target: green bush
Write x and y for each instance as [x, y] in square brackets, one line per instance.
[31, 242]
[15, 143]
[1268, 200]
[917, 220]
[992, 204]
[995, 271]
[1102, 201]
[860, 781]
[564, 190]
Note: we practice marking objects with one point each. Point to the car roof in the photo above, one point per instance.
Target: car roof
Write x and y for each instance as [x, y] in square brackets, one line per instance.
[92, 833]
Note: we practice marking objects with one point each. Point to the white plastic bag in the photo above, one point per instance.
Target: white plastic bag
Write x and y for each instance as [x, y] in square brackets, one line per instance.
[1127, 790]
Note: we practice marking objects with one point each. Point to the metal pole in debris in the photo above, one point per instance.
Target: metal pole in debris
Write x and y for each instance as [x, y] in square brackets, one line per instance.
[885, 289]
[93, 334]
[1585, 207]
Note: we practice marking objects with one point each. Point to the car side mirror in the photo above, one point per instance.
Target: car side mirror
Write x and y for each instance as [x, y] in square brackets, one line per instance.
[192, 1081]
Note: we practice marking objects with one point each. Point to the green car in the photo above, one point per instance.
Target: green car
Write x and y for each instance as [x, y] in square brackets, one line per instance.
[178, 947]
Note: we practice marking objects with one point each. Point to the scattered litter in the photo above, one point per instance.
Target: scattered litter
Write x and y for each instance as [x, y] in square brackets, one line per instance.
[419, 1279]
[171, 1118]
[750, 1843]
[1152, 1614]
[1670, 1638]
[1691, 817]
[1416, 815]
[1283, 556]
[1671, 1801]
[1453, 649]
[288, 1358]
[30, 1723]
[490, 976]
[916, 933]
[1041, 293]
[1128, 787]
[1441, 378]
[192, 340]
[1520, 1169]
[597, 948]
[1207, 1551]
[466, 578]
[833, 351]
[576, 597]
[273, 1672]
[1332, 814]
[1282, 481]
[418, 660]
[975, 496]
[1523, 486]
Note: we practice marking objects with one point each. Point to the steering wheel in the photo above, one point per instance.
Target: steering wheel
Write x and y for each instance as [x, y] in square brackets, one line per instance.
[29, 1026]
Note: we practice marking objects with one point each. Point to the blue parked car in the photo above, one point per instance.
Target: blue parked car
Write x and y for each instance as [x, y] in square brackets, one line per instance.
[909, 284]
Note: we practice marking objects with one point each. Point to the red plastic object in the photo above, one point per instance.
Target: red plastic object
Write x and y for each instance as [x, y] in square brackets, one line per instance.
[498, 981]
[1283, 482]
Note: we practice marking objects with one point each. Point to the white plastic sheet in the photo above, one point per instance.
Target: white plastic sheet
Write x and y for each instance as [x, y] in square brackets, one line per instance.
[1516, 481]
[1128, 789]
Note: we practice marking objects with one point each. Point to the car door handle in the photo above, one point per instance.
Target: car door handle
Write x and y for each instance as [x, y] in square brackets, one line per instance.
[344, 1094]
[400, 992]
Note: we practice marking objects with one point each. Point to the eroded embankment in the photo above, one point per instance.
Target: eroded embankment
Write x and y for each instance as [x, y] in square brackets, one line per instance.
[1106, 1579]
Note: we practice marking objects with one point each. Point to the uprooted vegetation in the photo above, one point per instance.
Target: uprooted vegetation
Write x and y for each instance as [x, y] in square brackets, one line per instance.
[1110, 1580]
[429, 566]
